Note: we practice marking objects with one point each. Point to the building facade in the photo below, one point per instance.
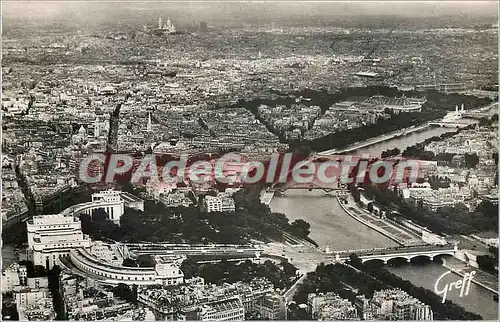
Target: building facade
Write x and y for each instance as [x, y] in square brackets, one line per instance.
[111, 202]
[53, 236]
[10, 278]
[111, 273]
[131, 201]
[271, 307]
[219, 203]
[230, 309]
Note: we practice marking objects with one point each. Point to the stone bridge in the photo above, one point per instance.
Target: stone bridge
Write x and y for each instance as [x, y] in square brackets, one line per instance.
[398, 252]
[325, 174]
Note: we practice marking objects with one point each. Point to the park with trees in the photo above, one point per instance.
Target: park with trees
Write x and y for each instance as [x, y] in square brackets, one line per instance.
[281, 275]
[158, 223]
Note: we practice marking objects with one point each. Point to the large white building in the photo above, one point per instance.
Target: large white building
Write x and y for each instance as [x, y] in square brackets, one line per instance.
[111, 201]
[53, 236]
[98, 265]
[397, 104]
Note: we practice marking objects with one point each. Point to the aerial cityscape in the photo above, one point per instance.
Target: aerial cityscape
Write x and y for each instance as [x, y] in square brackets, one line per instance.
[249, 160]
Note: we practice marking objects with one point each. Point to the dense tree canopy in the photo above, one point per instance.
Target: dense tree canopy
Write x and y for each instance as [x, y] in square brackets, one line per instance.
[489, 262]
[281, 275]
[126, 292]
[251, 220]
[390, 153]
[34, 270]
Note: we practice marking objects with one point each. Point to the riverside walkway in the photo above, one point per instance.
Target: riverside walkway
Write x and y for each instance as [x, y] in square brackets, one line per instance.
[383, 226]
[481, 278]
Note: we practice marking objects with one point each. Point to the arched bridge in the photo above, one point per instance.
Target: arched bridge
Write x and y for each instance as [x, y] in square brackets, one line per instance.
[316, 172]
[386, 254]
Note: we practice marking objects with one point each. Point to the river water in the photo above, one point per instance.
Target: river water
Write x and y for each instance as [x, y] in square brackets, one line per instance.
[479, 300]
[331, 227]
[402, 142]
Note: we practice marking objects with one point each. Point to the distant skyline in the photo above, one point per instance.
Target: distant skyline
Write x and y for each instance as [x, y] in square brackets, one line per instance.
[52, 9]
[92, 14]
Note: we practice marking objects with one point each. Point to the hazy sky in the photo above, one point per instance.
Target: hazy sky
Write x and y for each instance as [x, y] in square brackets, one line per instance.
[96, 12]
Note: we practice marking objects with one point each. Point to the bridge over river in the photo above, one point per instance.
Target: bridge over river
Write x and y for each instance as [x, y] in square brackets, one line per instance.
[253, 251]
[386, 254]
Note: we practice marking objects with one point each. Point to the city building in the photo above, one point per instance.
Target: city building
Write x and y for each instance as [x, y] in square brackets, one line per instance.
[195, 300]
[104, 262]
[34, 304]
[219, 203]
[111, 201]
[53, 236]
[330, 306]
[364, 308]
[38, 282]
[203, 26]
[168, 27]
[176, 199]
[84, 300]
[227, 309]
[395, 303]
[271, 307]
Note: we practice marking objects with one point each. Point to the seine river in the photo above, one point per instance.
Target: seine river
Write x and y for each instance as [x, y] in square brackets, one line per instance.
[479, 300]
[331, 227]
[403, 142]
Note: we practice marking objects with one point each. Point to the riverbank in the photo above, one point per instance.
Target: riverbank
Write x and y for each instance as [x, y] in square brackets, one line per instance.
[378, 139]
[330, 227]
[483, 279]
[380, 226]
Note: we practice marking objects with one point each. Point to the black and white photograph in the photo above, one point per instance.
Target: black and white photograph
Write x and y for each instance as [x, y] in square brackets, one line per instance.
[249, 160]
